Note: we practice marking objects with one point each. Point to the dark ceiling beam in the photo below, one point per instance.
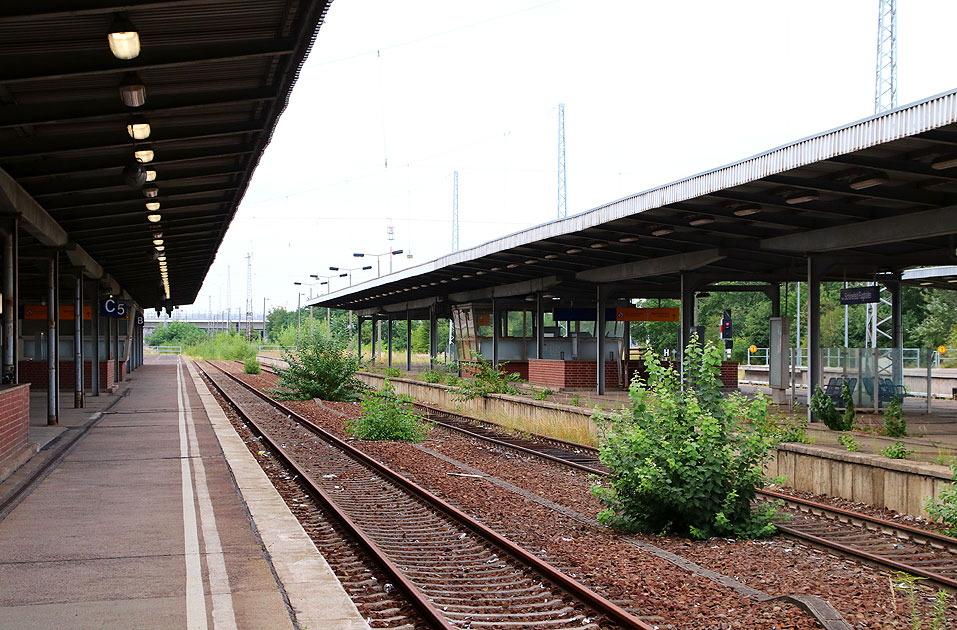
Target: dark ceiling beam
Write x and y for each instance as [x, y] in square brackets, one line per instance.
[110, 208]
[23, 11]
[43, 170]
[733, 231]
[939, 135]
[54, 66]
[774, 220]
[884, 192]
[168, 191]
[101, 183]
[909, 167]
[32, 146]
[106, 237]
[113, 230]
[830, 210]
[138, 218]
[76, 112]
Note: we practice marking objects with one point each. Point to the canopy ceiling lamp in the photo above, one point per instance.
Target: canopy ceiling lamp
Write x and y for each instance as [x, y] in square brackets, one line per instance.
[153, 218]
[944, 163]
[150, 175]
[144, 153]
[868, 181]
[151, 190]
[662, 231]
[152, 205]
[551, 256]
[801, 197]
[628, 239]
[138, 128]
[135, 175]
[573, 250]
[598, 245]
[123, 38]
[160, 248]
[132, 90]
[747, 210]
[157, 241]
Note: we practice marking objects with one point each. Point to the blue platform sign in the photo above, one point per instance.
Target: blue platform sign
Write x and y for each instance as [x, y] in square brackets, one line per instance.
[861, 295]
[117, 309]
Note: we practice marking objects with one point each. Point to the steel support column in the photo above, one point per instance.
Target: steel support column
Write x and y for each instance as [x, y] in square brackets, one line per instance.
[95, 335]
[16, 299]
[78, 339]
[496, 327]
[375, 322]
[539, 327]
[9, 312]
[116, 349]
[815, 270]
[359, 337]
[389, 331]
[774, 294]
[52, 416]
[408, 341]
[433, 336]
[600, 326]
[687, 319]
[897, 329]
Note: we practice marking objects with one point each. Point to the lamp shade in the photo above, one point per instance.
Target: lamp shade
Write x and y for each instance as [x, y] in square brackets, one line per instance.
[144, 153]
[132, 90]
[151, 190]
[152, 205]
[123, 38]
[153, 218]
[150, 175]
[138, 128]
[134, 175]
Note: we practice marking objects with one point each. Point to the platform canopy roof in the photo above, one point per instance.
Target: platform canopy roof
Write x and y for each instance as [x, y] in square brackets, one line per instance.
[217, 76]
[875, 196]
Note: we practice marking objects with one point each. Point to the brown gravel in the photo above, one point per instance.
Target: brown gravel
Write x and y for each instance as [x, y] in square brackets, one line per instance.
[602, 558]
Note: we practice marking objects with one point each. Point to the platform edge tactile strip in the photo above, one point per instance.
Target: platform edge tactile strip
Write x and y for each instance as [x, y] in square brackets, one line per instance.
[314, 592]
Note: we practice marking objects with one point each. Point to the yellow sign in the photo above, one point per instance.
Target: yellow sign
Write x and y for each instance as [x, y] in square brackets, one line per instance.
[753, 349]
[941, 349]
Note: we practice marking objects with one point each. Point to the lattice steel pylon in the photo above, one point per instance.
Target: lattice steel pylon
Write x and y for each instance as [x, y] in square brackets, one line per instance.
[455, 211]
[885, 92]
[562, 190]
[249, 297]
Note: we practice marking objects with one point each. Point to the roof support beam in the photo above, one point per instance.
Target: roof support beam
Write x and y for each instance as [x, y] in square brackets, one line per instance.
[904, 227]
[506, 290]
[60, 66]
[652, 266]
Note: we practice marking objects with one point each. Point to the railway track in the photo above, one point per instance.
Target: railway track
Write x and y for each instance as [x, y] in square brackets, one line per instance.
[453, 570]
[895, 546]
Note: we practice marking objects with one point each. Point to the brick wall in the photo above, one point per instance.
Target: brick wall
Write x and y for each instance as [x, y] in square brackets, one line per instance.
[578, 374]
[729, 374]
[14, 419]
[516, 367]
[36, 373]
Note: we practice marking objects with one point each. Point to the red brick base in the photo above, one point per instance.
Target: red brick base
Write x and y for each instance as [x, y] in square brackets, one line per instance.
[559, 374]
[512, 367]
[729, 374]
[14, 419]
[36, 373]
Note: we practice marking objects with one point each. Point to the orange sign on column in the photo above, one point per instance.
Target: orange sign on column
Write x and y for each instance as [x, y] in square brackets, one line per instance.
[647, 314]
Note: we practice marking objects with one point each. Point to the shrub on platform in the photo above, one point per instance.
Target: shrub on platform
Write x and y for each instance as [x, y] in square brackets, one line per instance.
[894, 423]
[223, 347]
[486, 379]
[431, 377]
[319, 369]
[944, 507]
[387, 415]
[823, 409]
[251, 366]
[392, 372]
[687, 460]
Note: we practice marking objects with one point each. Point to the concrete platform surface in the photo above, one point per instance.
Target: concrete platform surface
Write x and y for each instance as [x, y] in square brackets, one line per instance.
[141, 525]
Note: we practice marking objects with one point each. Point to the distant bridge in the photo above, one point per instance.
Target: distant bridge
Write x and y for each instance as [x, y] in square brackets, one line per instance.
[210, 326]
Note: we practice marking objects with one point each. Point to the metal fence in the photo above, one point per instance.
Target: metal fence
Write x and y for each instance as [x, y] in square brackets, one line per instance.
[836, 357]
[277, 348]
[163, 349]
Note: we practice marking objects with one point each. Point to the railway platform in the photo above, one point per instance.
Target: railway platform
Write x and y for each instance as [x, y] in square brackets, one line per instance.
[153, 514]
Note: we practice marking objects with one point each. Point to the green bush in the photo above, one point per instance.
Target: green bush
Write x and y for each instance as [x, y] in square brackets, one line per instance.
[432, 377]
[251, 366]
[944, 507]
[392, 372]
[176, 334]
[897, 450]
[452, 379]
[543, 394]
[223, 347]
[847, 441]
[686, 460]
[894, 424]
[387, 415]
[486, 379]
[848, 399]
[823, 409]
[319, 369]
[794, 432]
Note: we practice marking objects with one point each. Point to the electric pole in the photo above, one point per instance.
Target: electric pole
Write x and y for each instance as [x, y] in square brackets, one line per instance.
[249, 297]
[562, 190]
[455, 211]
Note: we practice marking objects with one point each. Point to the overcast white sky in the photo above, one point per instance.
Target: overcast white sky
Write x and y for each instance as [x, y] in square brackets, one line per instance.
[396, 96]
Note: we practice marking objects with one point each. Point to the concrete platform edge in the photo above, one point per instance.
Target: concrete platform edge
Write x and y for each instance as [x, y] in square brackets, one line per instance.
[313, 590]
[13, 463]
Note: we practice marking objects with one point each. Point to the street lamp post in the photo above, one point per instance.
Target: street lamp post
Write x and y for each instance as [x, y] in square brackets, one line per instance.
[349, 271]
[327, 282]
[378, 256]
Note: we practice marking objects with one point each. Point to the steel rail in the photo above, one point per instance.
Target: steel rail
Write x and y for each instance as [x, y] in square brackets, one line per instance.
[430, 613]
[552, 574]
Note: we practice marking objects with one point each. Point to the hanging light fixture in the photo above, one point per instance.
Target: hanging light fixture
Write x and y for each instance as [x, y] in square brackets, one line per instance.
[132, 90]
[150, 175]
[152, 205]
[662, 231]
[123, 38]
[138, 128]
[157, 235]
[700, 221]
[162, 259]
[801, 197]
[160, 248]
[151, 190]
[747, 210]
[153, 218]
[157, 241]
[144, 153]
[628, 239]
[135, 175]
[868, 181]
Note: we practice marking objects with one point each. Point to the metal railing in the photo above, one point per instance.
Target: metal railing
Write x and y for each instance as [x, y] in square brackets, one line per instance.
[277, 348]
[163, 349]
[834, 357]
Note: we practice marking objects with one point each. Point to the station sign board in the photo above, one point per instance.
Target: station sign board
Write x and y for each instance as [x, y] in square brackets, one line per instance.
[39, 311]
[861, 295]
[647, 315]
[117, 309]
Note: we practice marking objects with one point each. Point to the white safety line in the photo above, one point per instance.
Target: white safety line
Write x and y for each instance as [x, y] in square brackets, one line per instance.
[195, 596]
[223, 616]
